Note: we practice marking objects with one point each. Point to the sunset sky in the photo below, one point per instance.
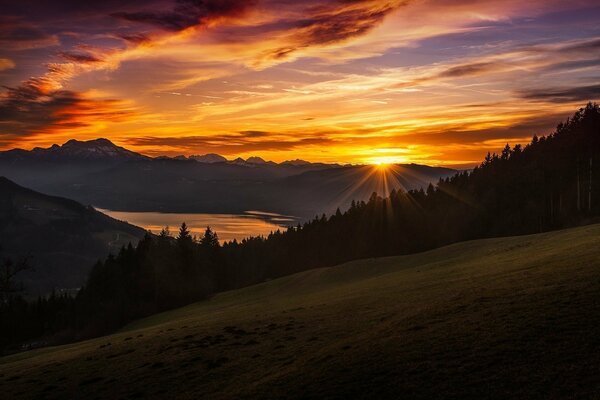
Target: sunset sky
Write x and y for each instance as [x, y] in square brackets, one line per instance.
[358, 81]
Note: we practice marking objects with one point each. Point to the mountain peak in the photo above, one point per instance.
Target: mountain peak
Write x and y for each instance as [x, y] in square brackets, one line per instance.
[100, 142]
[296, 162]
[209, 158]
[96, 149]
[238, 161]
[256, 160]
[100, 149]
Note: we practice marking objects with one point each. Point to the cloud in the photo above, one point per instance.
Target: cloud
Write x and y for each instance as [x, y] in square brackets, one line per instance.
[82, 58]
[472, 69]
[254, 134]
[335, 22]
[134, 38]
[37, 107]
[16, 35]
[336, 76]
[566, 56]
[573, 65]
[6, 63]
[188, 13]
[583, 46]
[241, 142]
[562, 95]
[512, 132]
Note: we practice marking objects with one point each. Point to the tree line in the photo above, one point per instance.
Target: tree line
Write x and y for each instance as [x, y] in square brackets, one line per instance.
[550, 183]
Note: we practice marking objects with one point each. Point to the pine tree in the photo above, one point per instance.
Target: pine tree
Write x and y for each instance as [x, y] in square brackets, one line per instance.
[506, 152]
[184, 234]
[210, 238]
[165, 233]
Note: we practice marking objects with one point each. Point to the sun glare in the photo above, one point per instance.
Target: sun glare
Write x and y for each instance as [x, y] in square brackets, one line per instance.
[385, 161]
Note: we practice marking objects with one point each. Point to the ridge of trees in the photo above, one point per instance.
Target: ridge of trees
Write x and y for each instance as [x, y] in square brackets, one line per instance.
[552, 182]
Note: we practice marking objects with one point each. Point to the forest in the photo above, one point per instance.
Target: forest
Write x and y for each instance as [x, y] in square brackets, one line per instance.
[550, 183]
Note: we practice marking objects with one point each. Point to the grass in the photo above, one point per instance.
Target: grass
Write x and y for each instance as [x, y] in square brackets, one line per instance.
[495, 318]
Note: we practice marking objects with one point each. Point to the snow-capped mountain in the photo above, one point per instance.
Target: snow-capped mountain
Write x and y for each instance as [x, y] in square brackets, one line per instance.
[296, 162]
[208, 158]
[258, 161]
[75, 150]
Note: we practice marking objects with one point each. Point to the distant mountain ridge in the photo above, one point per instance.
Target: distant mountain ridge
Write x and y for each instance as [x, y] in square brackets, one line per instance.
[213, 158]
[75, 150]
[209, 158]
[104, 149]
[101, 173]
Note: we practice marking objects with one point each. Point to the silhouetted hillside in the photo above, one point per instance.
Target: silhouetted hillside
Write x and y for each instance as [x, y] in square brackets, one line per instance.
[63, 238]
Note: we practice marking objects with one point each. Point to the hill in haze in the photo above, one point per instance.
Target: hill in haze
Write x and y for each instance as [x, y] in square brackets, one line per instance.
[61, 237]
[514, 317]
[111, 177]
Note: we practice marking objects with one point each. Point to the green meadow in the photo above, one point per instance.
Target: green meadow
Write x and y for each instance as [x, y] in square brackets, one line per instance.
[515, 317]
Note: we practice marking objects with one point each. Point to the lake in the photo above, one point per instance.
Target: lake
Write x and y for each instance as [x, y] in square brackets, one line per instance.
[227, 226]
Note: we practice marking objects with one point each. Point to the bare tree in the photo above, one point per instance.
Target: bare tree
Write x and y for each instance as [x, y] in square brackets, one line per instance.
[9, 270]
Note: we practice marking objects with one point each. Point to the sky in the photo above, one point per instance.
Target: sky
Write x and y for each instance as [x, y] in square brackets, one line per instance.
[351, 81]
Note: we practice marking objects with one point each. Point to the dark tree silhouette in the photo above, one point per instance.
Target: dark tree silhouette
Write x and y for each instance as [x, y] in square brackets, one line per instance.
[210, 238]
[184, 236]
[9, 270]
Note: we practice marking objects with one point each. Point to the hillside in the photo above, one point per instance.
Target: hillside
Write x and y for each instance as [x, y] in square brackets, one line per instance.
[62, 238]
[515, 317]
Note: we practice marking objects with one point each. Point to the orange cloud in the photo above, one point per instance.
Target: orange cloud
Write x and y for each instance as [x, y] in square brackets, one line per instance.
[333, 80]
[38, 107]
[6, 63]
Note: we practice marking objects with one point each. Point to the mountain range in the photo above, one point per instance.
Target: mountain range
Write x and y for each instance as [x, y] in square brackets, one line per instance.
[101, 173]
[74, 150]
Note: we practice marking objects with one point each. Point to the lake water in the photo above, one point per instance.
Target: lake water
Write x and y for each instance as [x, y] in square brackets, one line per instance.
[227, 226]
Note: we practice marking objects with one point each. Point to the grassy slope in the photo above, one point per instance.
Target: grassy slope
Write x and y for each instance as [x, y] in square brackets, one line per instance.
[489, 318]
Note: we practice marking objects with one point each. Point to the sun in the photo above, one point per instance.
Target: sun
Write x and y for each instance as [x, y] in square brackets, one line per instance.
[384, 162]
[381, 166]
